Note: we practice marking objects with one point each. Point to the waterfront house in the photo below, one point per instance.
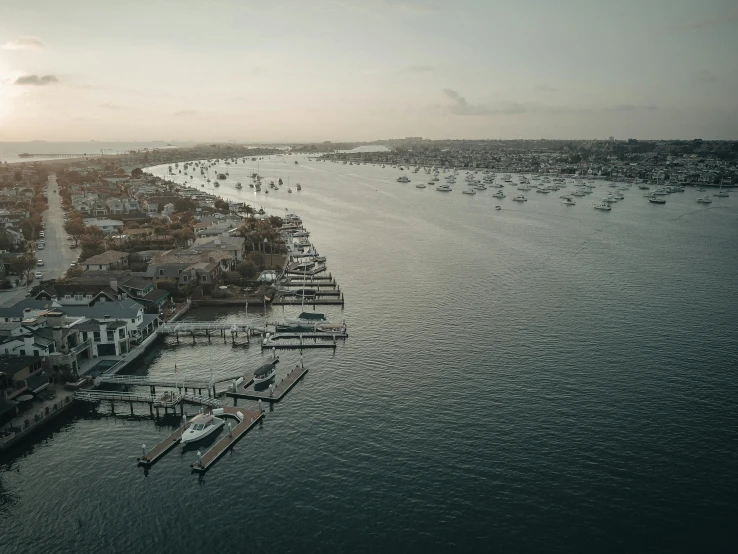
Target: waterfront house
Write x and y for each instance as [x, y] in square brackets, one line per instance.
[19, 375]
[222, 243]
[188, 266]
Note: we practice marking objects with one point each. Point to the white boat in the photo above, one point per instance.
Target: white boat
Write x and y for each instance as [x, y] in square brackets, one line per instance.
[602, 206]
[200, 427]
[704, 200]
[722, 194]
[420, 186]
[403, 179]
[542, 191]
[469, 191]
[308, 318]
[238, 185]
[520, 198]
[265, 373]
[444, 188]
[568, 202]
[499, 194]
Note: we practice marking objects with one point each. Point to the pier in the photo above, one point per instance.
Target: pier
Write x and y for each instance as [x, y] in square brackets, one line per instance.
[295, 301]
[273, 393]
[167, 400]
[267, 344]
[247, 420]
[168, 382]
[152, 456]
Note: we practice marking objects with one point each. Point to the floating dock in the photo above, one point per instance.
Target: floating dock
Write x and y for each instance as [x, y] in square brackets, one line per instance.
[152, 456]
[294, 301]
[274, 393]
[247, 420]
[267, 344]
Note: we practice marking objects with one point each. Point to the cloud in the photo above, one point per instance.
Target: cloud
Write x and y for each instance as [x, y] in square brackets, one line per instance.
[706, 23]
[704, 76]
[36, 80]
[109, 106]
[546, 88]
[630, 108]
[186, 113]
[417, 68]
[459, 106]
[24, 43]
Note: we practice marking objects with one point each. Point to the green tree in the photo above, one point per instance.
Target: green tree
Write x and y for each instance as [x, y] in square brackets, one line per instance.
[221, 206]
[247, 270]
[22, 265]
[137, 173]
[75, 228]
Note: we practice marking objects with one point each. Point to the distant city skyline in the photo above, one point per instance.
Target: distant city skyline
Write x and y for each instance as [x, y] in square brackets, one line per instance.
[363, 70]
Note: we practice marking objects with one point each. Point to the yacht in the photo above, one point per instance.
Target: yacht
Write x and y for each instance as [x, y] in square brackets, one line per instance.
[704, 200]
[520, 198]
[602, 206]
[469, 191]
[444, 188]
[298, 187]
[722, 194]
[420, 186]
[403, 179]
[568, 202]
[308, 318]
[499, 194]
[543, 191]
[238, 185]
[655, 200]
[200, 427]
[265, 373]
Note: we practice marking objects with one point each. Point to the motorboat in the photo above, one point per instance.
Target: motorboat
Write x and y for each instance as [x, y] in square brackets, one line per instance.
[444, 188]
[520, 198]
[722, 194]
[200, 427]
[498, 207]
[265, 373]
[469, 191]
[308, 318]
[420, 186]
[543, 191]
[499, 194]
[403, 179]
[238, 185]
[654, 200]
[602, 206]
[704, 200]
[568, 202]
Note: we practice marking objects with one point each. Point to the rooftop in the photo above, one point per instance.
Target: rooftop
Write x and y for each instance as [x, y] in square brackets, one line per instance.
[108, 257]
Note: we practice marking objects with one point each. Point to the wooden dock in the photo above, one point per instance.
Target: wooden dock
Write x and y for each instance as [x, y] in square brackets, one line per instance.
[267, 344]
[272, 394]
[153, 455]
[250, 418]
[294, 301]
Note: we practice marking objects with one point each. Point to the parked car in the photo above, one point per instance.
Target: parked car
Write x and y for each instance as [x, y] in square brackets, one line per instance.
[41, 234]
[38, 275]
[73, 264]
[40, 246]
[40, 263]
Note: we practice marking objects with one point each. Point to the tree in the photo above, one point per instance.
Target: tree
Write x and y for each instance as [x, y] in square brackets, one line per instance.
[185, 205]
[74, 272]
[183, 236]
[22, 265]
[137, 173]
[169, 285]
[75, 228]
[247, 270]
[221, 206]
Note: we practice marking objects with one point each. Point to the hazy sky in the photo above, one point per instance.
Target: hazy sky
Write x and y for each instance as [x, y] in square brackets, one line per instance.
[367, 69]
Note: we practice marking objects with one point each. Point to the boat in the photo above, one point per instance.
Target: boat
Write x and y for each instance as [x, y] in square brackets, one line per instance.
[403, 179]
[542, 191]
[499, 194]
[420, 186]
[238, 185]
[498, 208]
[266, 372]
[520, 198]
[655, 200]
[602, 206]
[308, 318]
[200, 427]
[298, 187]
[722, 193]
[444, 188]
[469, 191]
[704, 200]
[568, 202]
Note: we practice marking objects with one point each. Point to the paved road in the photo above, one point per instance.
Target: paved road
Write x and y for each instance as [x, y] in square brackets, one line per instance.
[56, 254]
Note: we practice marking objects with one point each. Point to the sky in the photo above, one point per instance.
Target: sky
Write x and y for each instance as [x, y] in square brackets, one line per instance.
[364, 70]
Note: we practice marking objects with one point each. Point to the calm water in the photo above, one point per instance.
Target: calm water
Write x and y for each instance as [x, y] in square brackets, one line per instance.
[540, 378]
[9, 150]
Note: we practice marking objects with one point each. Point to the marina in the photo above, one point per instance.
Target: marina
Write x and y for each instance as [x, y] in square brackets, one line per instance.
[273, 393]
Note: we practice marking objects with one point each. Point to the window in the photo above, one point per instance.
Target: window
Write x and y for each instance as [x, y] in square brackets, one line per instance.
[96, 336]
[100, 266]
[185, 278]
[122, 332]
[161, 272]
[204, 278]
[35, 352]
[67, 296]
[133, 321]
[111, 335]
[84, 335]
[78, 297]
[22, 352]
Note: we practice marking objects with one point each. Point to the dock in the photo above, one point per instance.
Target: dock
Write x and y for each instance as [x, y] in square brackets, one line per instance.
[152, 456]
[267, 344]
[273, 393]
[294, 301]
[247, 420]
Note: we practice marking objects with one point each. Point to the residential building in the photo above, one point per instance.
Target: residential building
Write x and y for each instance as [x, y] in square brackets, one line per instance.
[108, 226]
[110, 259]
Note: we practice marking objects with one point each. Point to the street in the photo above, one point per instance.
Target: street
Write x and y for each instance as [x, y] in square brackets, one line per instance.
[56, 253]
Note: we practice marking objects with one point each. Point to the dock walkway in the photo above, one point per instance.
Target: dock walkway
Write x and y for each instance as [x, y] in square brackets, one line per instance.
[273, 393]
[247, 420]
